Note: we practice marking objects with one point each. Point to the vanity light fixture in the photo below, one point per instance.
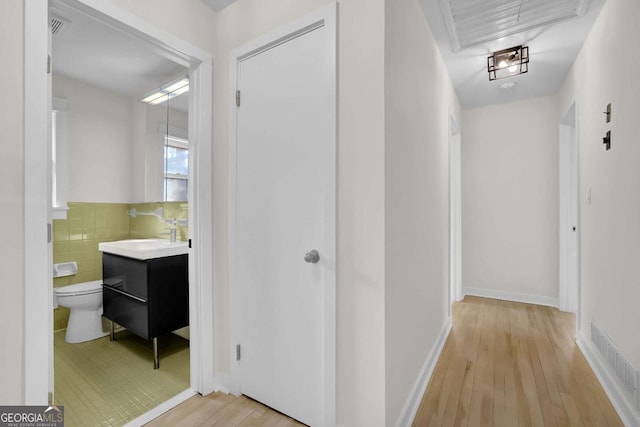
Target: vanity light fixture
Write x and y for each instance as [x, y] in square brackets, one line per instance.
[167, 92]
[508, 62]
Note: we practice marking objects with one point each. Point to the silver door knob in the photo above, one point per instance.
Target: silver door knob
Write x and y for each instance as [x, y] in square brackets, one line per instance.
[312, 256]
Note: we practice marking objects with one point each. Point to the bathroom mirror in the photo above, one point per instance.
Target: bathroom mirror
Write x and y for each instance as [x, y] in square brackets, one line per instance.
[115, 143]
[175, 158]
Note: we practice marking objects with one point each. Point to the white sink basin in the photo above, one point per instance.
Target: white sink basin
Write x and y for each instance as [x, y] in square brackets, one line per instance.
[144, 248]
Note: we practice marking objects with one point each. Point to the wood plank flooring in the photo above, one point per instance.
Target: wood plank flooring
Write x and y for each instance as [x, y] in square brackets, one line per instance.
[222, 410]
[512, 364]
[504, 364]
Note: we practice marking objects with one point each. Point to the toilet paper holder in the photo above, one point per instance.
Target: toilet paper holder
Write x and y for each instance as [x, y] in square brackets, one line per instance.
[65, 269]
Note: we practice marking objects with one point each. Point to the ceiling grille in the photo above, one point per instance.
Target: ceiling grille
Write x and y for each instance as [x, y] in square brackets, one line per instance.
[475, 22]
[57, 24]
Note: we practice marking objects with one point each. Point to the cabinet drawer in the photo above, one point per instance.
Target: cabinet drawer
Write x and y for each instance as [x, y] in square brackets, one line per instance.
[127, 311]
[127, 274]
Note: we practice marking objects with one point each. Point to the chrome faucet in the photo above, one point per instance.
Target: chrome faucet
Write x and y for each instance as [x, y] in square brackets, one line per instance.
[171, 234]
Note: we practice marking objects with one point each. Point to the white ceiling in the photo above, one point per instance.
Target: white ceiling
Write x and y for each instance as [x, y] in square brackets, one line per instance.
[484, 27]
[218, 5]
[103, 56]
[106, 57]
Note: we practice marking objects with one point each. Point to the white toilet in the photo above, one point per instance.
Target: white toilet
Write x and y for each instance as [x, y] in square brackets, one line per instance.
[85, 302]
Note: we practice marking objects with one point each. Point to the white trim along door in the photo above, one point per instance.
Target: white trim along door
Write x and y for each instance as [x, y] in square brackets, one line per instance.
[283, 219]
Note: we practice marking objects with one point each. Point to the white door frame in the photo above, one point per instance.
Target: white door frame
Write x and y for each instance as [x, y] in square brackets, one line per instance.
[455, 212]
[38, 306]
[569, 205]
[38, 303]
[324, 16]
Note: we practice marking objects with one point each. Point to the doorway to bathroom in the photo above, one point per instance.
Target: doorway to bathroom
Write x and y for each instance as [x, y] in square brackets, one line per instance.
[97, 219]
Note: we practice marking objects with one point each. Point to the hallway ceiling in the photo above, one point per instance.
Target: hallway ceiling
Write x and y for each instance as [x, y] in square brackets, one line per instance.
[554, 30]
[468, 31]
[218, 5]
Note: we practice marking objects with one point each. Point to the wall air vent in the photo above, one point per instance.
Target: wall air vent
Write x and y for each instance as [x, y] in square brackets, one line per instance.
[628, 377]
[57, 24]
[473, 23]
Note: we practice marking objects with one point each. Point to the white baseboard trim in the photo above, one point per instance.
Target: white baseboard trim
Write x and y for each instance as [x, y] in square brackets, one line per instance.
[629, 416]
[412, 404]
[162, 408]
[511, 296]
[221, 383]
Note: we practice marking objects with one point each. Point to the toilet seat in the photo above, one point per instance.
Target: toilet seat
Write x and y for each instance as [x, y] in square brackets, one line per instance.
[84, 301]
[78, 289]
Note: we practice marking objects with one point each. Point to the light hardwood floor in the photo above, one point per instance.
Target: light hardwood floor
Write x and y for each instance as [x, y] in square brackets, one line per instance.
[222, 410]
[504, 364]
[512, 364]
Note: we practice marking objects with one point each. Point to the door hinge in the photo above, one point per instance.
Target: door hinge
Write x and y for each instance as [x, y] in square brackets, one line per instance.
[189, 243]
[237, 98]
[48, 64]
[49, 232]
[238, 352]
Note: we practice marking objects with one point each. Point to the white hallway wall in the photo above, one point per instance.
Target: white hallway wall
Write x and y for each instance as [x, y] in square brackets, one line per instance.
[419, 99]
[510, 200]
[610, 224]
[191, 20]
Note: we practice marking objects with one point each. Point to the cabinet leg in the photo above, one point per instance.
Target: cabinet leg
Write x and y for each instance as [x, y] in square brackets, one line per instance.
[112, 331]
[156, 357]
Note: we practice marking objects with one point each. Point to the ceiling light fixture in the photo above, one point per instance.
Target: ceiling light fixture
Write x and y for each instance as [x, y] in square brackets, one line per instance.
[508, 62]
[167, 92]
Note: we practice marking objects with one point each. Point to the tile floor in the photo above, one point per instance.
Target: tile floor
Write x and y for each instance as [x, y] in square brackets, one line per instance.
[103, 383]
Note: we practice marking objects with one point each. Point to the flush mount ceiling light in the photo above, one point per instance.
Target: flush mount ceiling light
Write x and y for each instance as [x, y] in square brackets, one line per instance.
[167, 92]
[508, 62]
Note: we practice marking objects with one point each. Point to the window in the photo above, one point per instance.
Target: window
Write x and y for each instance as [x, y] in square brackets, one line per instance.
[176, 169]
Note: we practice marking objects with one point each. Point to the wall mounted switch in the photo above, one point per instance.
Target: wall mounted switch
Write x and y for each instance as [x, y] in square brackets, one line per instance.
[607, 140]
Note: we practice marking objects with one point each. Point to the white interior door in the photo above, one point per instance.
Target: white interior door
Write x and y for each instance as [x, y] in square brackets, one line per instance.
[285, 208]
[569, 214]
[455, 213]
[573, 273]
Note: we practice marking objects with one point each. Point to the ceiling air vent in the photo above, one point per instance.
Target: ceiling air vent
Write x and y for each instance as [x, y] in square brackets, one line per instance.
[473, 23]
[57, 24]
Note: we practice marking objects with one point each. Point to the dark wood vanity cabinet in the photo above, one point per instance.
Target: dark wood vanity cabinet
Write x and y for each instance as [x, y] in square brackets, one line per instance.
[147, 297]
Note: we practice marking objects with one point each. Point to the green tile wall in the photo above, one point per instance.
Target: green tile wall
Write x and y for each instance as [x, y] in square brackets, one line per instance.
[144, 227]
[76, 238]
